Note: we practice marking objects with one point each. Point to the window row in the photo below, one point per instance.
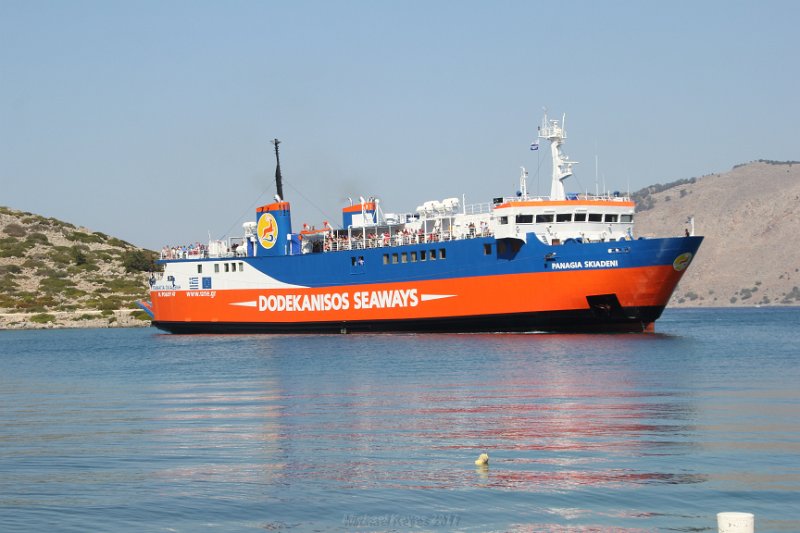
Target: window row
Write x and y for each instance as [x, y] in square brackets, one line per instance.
[227, 267]
[413, 257]
[548, 218]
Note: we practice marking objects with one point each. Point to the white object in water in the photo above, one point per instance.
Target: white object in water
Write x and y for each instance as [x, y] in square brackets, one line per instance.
[482, 460]
[735, 522]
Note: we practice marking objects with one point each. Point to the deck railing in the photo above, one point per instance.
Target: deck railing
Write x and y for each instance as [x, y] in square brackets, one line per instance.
[332, 243]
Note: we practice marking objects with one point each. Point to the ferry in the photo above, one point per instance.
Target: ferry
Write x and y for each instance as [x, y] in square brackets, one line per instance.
[521, 263]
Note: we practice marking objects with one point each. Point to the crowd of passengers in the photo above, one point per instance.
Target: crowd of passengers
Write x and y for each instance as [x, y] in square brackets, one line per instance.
[406, 236]
[195, 250]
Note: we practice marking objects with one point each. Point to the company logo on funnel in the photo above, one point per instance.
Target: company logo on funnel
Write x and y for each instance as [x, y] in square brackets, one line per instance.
[267, 230]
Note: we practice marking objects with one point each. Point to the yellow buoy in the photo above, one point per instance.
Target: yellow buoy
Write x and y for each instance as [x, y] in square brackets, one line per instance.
[482, 460]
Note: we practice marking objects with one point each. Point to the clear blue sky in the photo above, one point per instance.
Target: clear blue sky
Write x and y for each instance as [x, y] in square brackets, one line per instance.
[151, 120]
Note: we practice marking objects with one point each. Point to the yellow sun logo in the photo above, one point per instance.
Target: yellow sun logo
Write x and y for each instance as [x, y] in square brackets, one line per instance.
[267, 230]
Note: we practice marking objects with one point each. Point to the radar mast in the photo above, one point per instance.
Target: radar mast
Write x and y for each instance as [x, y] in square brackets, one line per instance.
[562, 166]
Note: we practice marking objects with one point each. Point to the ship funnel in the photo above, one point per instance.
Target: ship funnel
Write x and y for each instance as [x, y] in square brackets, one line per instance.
[274, 229]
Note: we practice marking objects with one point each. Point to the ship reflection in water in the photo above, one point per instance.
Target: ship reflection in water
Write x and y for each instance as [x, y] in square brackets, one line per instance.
[549, 424]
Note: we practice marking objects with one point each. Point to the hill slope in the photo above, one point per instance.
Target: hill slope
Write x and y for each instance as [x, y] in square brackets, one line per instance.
[749, 217]
[53, 274]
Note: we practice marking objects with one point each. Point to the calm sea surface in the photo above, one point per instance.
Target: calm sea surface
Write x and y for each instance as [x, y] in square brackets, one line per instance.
[134, 430]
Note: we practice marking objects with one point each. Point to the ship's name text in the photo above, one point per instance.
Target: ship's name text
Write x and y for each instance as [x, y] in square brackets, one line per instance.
[570, 265]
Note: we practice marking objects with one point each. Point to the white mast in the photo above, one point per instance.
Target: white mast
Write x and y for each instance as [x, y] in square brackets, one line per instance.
[562, 166]
[523, 184]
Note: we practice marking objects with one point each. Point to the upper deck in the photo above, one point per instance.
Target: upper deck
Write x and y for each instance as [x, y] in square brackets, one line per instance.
[583, 218]
[553, 219]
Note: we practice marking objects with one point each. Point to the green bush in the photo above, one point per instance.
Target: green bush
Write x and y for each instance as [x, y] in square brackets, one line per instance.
[139, 260]
[73, 292]
[36, 238]
[84, 237]
[125, 285]
[47, 272]
[106, 304]
[27, 301]
[11, 247]
[14, 230]
[78, 257]
[9, 269]
[60, 255]
[42, 318]
[7, 301]
[119, 243]
[7, 284]
[52, 288]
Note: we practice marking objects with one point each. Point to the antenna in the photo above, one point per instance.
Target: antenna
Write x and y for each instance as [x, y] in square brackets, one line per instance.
[596, 165]
[278, 177]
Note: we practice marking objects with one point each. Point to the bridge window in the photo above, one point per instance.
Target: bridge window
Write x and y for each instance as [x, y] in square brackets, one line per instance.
[504, 220]
[385, 259]
[442, 253]
[626, 218]
[487, 249]
[199, 269]
[564, 217]
[422, 255]
[413, 257]
[580, 217]
[524, 219]
[433, 255]
[544, 219]
[611, 218]
[227, 267]
[404, 257]
[241, 267]
[595, 217]
[394, 259]
[216, 268]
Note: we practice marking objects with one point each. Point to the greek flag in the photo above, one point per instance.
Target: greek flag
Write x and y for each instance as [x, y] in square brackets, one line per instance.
[535, 145]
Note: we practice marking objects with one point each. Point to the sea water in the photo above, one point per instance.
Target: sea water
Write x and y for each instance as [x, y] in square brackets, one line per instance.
[134, 430]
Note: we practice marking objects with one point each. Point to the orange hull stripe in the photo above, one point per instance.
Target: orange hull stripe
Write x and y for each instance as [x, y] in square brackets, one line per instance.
[488, 295]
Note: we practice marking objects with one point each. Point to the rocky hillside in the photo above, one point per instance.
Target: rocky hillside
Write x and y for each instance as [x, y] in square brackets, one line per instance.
[53, 274]
[750, 217]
